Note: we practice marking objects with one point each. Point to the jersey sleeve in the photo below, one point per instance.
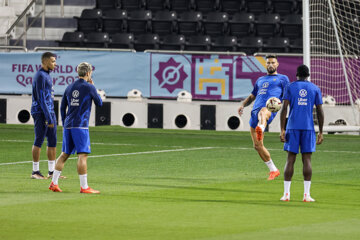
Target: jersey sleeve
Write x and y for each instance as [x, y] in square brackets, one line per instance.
[255, 90]
[287, 93]
[40, 93]
[285, 84]
[318, 97]
[63, 106]
[95, 96]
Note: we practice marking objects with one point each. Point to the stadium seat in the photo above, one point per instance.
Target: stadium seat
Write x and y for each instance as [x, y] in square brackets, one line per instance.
[122, 40]
[242, 24]
[189, 23]
[90, 20]
[224, 44]
[164, 22]
[173, 42]
[157, 5]
[215, 23]
[72, 39]
[250, 45]
[198, 43]
[233, 6]
[114, 21]
[146, 41]
[276, 45]
[96, 40]
[296, 46]
[139, 21]
[205, 6]
[284, 6]
[182, 5]
[108, 4]
[258, 6]
[267, 25]
[132, 5]
[291, 26]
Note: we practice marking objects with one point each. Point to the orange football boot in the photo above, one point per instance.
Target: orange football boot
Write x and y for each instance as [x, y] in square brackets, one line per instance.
[89, 190]
[273, 175]
[54, 188]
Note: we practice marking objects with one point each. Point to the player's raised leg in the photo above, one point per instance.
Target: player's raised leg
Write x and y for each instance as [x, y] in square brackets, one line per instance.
[264, 155]
[263, 116]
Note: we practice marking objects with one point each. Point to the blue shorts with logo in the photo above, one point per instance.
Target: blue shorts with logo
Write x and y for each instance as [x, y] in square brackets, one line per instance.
[42, 130]
[303, 139]
[76, 139]
[254, 120]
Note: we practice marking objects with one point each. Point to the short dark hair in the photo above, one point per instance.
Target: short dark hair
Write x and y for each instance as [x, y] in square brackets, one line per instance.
[47, 55]
[271, 56]
[302, 71]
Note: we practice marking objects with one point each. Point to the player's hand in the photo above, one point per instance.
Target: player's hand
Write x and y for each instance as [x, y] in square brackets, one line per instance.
[320, 139]
[90, 81]
[241, 110]
[282, 136]
[51, 125]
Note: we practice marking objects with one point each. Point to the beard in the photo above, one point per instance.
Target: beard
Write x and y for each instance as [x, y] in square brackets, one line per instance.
[271, 70]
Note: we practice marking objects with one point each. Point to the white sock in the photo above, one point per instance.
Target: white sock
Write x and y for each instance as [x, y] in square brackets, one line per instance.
[287, 185]
[271, 165]
[51, 165]
[36, 166]
[262, 127]
[307, 187]
[56, 176]
[83, 181]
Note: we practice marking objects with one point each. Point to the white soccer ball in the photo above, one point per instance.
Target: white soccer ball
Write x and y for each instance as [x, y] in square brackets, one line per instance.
[329, 100]
[101, 93]
[273, 104]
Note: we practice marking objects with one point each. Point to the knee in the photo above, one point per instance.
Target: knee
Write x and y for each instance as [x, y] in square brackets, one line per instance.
[258, 146]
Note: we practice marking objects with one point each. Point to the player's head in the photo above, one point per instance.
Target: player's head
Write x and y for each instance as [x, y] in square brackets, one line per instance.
[48, 60]
[84, 70]
[271, 63]
[302, 72]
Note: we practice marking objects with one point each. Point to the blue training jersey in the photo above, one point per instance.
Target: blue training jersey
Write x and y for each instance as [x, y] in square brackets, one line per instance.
[43, 95]
[302, 95]
[269, 86]
[78, 98]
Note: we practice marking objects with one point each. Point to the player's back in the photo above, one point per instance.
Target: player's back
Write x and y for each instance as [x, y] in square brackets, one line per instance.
[302, 95]
[78, 98]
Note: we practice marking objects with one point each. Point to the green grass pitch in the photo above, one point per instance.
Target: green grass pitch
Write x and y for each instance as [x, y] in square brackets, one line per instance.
[173, 184]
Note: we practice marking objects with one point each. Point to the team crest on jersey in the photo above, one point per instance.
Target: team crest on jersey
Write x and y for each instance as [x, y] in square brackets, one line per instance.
[302, 93]
[274, 79]
[75, 94]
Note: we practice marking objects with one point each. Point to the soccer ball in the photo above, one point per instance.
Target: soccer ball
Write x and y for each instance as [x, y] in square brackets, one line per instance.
[273, 104]
[329, 100]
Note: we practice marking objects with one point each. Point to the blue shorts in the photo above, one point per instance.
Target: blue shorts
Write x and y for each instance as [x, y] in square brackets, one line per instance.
[42, 130]
[303, 139]
[76, 139]
[254, 120]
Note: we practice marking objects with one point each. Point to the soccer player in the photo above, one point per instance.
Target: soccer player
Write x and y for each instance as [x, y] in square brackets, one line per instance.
[301, 96]
[42, 111]
[271, 85]
[77, 98]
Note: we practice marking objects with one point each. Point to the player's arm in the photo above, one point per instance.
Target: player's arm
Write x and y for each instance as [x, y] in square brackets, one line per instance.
[40, 92]
[283, 114]
[63, 107]
[320, 117]
[95, 96]
[246, 103]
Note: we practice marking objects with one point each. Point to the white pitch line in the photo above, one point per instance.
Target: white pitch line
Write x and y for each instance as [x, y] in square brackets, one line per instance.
[98, 143]
[123, 154]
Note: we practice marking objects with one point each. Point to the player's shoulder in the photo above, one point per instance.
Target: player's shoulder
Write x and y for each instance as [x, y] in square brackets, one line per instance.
[283, 77]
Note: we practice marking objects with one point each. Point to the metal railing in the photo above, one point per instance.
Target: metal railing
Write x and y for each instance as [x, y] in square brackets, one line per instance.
[82, 49]
[14, 48]
[193, 52]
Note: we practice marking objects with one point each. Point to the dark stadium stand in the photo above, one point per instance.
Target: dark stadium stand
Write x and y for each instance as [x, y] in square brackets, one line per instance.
[228, 25]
